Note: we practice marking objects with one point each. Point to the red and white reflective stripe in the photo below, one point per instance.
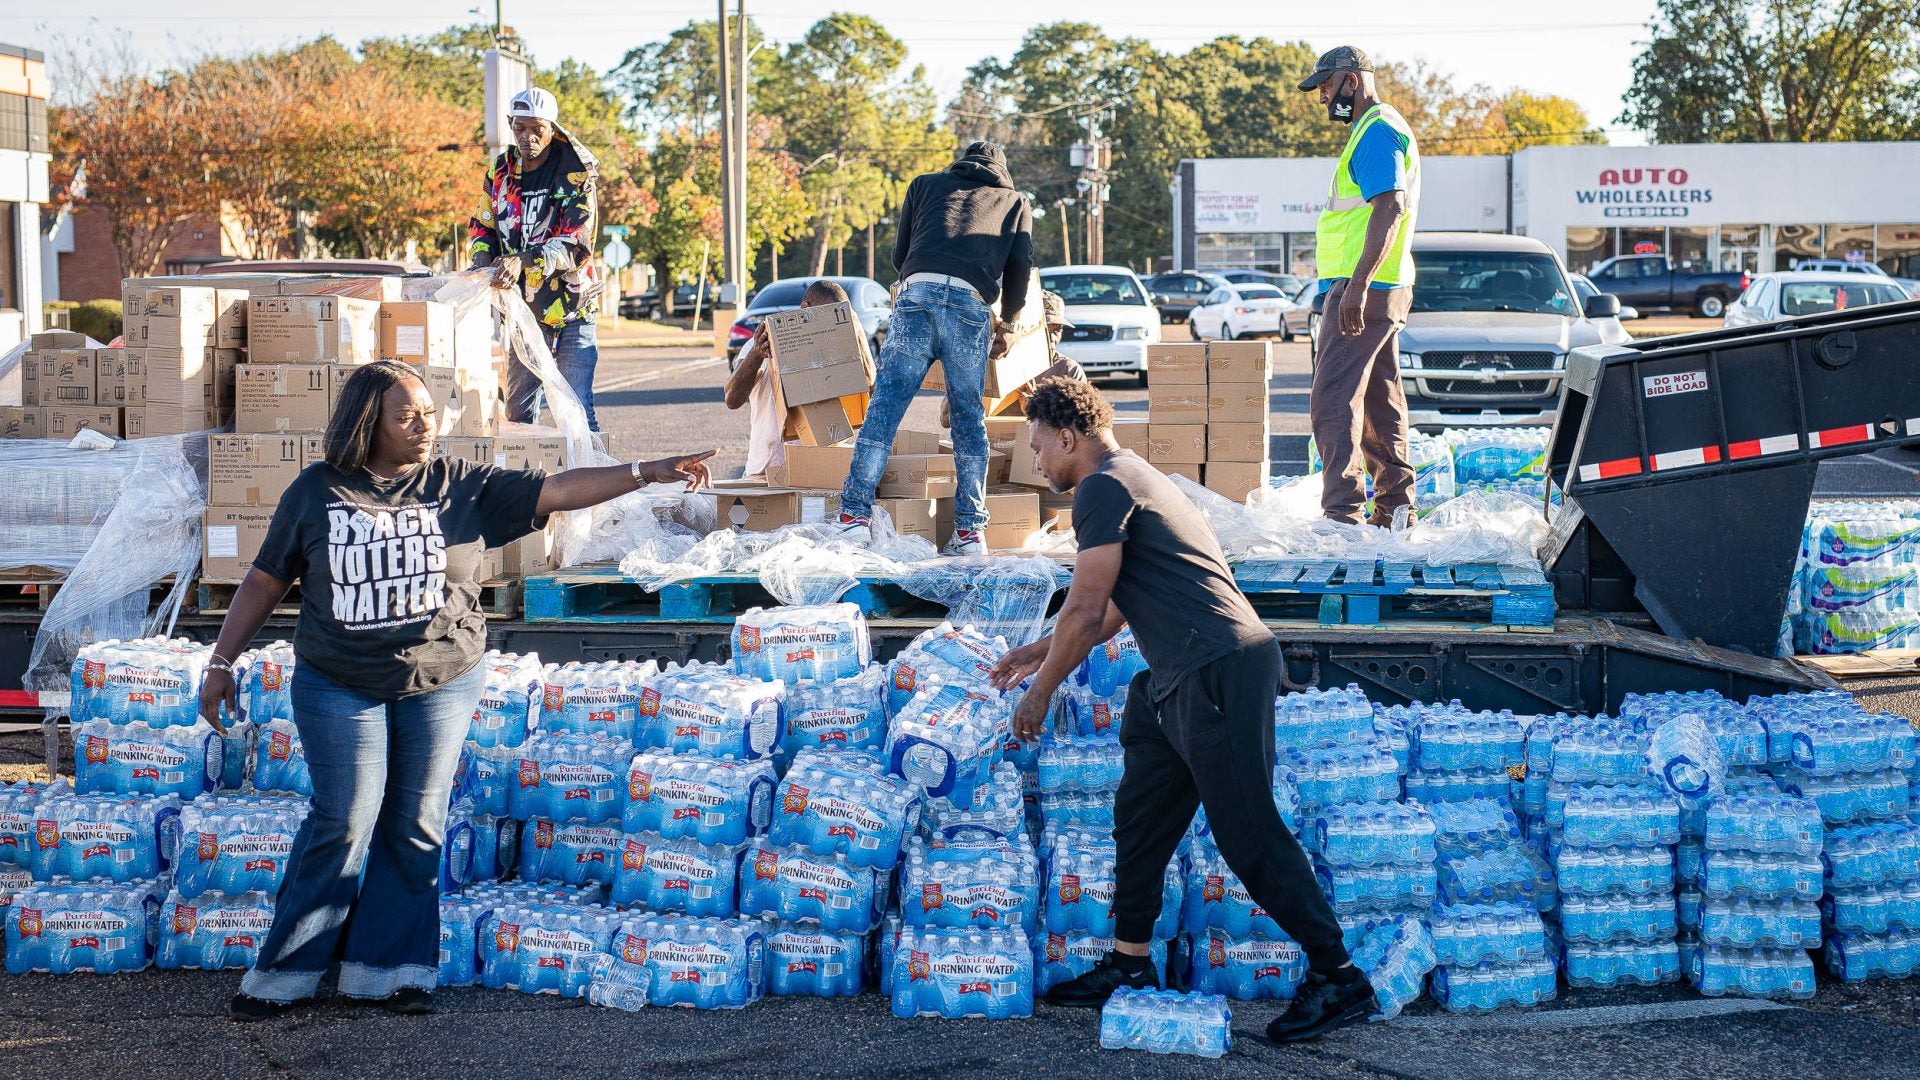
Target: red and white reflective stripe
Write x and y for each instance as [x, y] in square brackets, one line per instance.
[1681, 459]
[1840, 436]
[28, 699]
[1753, 448]
[1607, 470]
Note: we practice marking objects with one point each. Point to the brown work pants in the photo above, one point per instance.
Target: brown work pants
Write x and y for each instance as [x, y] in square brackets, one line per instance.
[1358, 409]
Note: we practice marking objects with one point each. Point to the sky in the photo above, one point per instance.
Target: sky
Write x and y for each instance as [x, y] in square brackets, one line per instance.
[1582, 51]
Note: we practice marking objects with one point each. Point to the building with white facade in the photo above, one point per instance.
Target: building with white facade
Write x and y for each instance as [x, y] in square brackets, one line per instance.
[23, 189]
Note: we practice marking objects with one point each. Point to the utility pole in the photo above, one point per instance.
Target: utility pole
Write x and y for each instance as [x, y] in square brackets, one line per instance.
[729, 211]
[1093, 158]
[1066, 244]
[742, 121]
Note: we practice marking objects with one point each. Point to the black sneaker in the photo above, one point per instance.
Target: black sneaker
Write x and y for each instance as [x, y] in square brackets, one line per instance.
[409, 1001]
[246, 1009]
[1090, 991]
[1323, 1006]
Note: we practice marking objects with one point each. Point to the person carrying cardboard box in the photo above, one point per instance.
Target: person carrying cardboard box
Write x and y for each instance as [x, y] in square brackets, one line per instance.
[1063, 366]
[536, 231]
[965, 236]
[751, 385]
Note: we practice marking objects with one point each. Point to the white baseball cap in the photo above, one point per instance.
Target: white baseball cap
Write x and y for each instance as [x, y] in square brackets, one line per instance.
[535, 104]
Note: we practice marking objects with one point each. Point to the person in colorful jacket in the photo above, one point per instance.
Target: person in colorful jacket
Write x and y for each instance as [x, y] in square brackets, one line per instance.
[536, 231]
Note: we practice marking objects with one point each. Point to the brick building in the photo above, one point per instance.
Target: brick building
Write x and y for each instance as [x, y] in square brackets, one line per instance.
[89, 267]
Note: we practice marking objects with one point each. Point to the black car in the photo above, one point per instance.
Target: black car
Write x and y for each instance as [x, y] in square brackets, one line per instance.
[871, 305]
[1176, 294]
[647, 305]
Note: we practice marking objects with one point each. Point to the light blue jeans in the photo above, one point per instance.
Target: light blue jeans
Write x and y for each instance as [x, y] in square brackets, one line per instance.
[930, 322]
[576, 352]
[366, 862]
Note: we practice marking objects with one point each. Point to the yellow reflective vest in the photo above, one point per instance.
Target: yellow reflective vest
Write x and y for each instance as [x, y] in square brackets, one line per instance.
[1342, 229]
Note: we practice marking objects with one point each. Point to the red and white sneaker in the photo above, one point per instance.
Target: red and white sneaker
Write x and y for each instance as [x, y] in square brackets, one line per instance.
[859, 530]
[965, 542]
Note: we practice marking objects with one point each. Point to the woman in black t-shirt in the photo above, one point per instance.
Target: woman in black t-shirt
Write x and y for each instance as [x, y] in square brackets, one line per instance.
[386, 543]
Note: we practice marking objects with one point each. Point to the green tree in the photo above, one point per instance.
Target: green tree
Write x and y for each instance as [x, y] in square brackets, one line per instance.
[1778, 71]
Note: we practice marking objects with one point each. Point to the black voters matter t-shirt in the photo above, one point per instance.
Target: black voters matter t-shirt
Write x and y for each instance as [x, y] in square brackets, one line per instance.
[1174, 587]
[388, 568]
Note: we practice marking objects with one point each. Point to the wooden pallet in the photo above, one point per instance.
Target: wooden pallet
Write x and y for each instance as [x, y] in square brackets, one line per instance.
[498, 599]
[33, 589]
[602, 594]
[1377, 592]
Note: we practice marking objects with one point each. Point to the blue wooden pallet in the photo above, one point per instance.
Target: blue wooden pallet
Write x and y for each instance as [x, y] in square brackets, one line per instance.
[1375, 592]
[603, 595]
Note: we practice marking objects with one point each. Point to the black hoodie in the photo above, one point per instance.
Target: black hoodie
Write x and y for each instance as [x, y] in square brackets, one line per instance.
[969, 223]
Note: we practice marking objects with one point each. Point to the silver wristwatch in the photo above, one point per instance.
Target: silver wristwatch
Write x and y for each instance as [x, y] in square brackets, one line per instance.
[639, 475]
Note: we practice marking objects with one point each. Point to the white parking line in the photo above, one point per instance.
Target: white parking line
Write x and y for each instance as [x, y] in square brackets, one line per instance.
[1596, 1016]
[1909, 470]
[656, 374]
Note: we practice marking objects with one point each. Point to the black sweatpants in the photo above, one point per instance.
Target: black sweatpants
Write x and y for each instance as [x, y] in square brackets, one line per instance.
[1209, 743]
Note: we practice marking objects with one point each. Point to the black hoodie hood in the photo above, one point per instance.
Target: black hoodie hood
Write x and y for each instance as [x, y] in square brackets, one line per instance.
[982, 170]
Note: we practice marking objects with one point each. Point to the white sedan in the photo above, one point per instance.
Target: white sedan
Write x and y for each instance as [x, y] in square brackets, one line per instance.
[1251, 309]
[1793, 293]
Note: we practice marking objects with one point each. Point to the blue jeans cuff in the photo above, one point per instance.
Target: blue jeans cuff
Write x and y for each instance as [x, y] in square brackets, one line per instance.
[280, 987]
[374, 984]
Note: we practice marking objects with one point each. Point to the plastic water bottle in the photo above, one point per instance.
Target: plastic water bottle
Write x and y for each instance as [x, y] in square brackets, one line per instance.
[814, 643]
[710, 711]
[63, 927]
[279, 759]
[697, 799]
[570, 778]
[1397, 955]
[594, 699]
[213, 932]
[1166, 1022]
[794, 885]
[492, 774]
[510, 699]
[1247, 969]
[1110, 667]
[844, 803]
[569, 852]
[848, 713]
[956, 973]
[696, 963]
[136, 759]
[803, 961]
[677, 876]
[545, 948]
[496, 847]
[616, 984]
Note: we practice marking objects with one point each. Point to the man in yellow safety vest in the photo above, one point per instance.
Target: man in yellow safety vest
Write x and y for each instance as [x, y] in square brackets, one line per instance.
[1358, 408]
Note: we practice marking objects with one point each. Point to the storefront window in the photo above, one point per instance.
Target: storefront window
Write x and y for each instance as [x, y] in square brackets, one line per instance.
[1232, 251]
[1687, 247]
[1791, 243]
[1898, 250]
[1739, 249]
[1586, 246]
[1643, 241]
[1301, 260]
[1850, 242]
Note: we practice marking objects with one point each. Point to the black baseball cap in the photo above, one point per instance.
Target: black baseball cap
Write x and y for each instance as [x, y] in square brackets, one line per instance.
[1334, 61]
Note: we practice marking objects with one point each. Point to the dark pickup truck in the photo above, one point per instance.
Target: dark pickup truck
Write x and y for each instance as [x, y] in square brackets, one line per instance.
[1650, 281]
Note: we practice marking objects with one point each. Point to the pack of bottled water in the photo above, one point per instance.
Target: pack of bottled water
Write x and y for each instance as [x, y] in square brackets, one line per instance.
[849, 713]
[1473, 826]
[681, 876]
[844, 802]
[1362, 771]
[1434, 479]
[1080, 888]
[806, 961]
[464, 914]
[1491, 454]
[1078, 809]
[956, 973]
[492, 773]
[213, 932]
[544, 948]
[265, 680]
[119, 838]
[946, 740]
[1453, 738]
[1858, 578]
[510, 699]
[236, 755]
[1477, 935]
[1857, 957]
[1058, 958]
[708, 710]
[1510, 874]
[1718, 970]
[136, 759]
[152, 681]
[1215, 899]
[696, 963]
[1246, 969]
[458, 847]
[1084, 713]
[794, 885]
[1374, 834]
[1397, 956]
[1000, 812]
[682, 797]
[569, 852]
[1111, 665]
[496, 847]
[63, 927]
[279, 760]
[594, 699]
[1494, 986]
[1075, 763]
[984, 884]
[17, 824]
[945, 654]
[810, 643]
[1167, 1022]
[616, 984]
[565, 777]
[1871, 907]
[1617, 815]
[1311, 719]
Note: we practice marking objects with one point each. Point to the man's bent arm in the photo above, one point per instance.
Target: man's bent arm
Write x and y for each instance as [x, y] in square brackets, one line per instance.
[1389, 209]
[1085, 618]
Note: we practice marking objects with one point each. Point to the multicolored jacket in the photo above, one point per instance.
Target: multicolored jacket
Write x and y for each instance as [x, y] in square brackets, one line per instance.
[557, 275]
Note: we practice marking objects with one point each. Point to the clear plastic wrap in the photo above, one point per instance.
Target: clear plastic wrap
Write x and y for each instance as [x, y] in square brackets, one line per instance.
[997, 594]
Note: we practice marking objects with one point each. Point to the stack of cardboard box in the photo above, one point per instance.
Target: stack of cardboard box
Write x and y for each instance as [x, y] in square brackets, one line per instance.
[1207, 413]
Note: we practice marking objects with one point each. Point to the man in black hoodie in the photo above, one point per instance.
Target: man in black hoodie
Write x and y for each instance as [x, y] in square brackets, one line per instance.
[965, 237]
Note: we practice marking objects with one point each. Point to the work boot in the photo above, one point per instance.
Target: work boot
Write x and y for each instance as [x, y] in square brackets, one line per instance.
[856, 530]
[965, 542]
[1115, 970]
[1323, 1005]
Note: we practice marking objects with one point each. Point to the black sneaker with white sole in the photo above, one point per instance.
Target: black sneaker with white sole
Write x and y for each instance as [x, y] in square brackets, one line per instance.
[1115, 970]
[1324, 1005]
